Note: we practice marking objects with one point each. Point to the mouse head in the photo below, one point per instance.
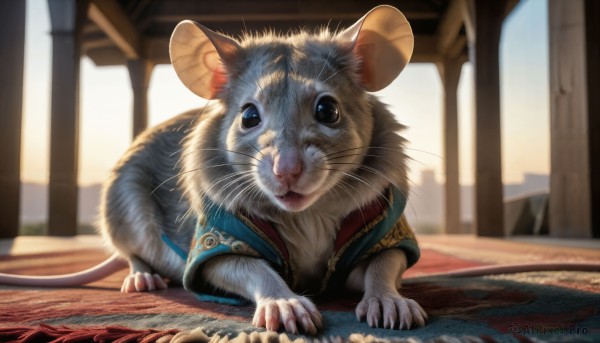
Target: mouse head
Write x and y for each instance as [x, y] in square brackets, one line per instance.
[295, 119]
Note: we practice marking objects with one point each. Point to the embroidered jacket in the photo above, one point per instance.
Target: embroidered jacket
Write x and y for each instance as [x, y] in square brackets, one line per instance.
[362, 233]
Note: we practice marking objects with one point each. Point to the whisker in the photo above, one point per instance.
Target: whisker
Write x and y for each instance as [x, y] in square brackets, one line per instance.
[331, 146]
[400, 150]
[186, 132]
[323, 67]
[425, 152]
[255, 148]
[330, 189]
[357, 178]
[184, 218]
[250, 186]
[242, 184]
[342, 184]
[350, 155]
[227, 177]
[176, 152]
[422, 164]
[196, 116]
[374, 171]
[197, 170]
[227, 150]
[332, 75]
[255, 194]
[239, 180]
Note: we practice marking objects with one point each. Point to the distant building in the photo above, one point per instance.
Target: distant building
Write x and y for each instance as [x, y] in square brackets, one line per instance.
[425, 209]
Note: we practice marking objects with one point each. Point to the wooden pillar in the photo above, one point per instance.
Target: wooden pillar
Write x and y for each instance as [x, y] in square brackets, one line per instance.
[489, 204]
[12, 50]
[140, 71]
[574, 118]
[66, 17]
[449, 71]
[592, 37]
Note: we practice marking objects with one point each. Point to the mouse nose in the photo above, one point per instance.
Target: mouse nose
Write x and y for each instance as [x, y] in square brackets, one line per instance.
[287, 166]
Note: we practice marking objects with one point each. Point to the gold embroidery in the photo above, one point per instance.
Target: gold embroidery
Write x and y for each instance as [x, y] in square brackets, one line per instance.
[209, 240]
[215, 238]
[400, 231]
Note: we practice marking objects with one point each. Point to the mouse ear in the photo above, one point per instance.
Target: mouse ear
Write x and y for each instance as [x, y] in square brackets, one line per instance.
[199, 56]
[383, 41]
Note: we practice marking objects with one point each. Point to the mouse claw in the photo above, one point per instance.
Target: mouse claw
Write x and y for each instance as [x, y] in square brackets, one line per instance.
[143, 282]
[159, 282]
[391, 311]
[294, 313]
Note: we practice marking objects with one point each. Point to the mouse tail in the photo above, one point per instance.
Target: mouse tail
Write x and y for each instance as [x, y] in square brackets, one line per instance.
[517, 268]
[98, 272]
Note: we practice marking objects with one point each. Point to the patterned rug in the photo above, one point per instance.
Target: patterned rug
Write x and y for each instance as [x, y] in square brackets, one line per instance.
[525, 307]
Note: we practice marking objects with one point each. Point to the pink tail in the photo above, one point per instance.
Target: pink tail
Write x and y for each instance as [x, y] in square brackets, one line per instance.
[516, 268]
[110, 266]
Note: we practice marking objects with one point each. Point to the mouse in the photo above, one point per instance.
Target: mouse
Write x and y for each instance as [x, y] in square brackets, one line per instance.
[290, 183]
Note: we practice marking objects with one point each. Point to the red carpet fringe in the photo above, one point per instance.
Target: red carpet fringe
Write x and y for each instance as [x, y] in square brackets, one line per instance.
[64, 334]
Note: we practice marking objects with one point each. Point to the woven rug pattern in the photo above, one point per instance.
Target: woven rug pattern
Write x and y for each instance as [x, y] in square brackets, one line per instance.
[525, 307]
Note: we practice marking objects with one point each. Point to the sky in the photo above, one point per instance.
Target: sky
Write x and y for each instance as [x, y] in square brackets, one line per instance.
[415, 97]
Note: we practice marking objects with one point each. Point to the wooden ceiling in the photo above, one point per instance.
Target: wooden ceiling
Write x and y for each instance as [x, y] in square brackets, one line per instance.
[117, 30]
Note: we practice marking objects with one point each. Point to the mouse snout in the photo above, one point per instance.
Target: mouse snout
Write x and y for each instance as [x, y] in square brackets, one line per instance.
[287, 166]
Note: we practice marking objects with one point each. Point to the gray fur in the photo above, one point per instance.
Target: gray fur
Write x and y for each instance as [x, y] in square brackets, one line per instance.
[159, 185]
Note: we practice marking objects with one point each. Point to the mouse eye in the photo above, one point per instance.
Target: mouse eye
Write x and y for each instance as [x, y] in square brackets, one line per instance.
[250, 117]
[327, 111]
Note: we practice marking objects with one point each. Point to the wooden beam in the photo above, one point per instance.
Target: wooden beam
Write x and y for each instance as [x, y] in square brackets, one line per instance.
[459, 48]
[90, 44]
[207, 19]
[450, 70]
[138, 8]
[106, 56]
[12, 50]
[510, 5]
[139, 73]
[489, 200]
[66, 17]
[91, 28]
[111, 18]
[467, 8]
[426, 50]
[238, 10]
[592, 37]
[449, 27]
[468, 13]
[574, 125]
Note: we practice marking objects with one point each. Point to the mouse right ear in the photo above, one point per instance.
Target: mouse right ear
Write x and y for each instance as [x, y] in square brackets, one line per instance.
[199, 56]
[383, 41]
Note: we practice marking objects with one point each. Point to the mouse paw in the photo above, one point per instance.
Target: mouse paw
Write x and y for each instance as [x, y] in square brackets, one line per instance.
[392, 311]
[143, 282]
[289, 311]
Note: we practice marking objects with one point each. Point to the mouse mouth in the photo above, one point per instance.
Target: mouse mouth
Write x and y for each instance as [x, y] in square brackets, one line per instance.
[293, 201]
[290, 196]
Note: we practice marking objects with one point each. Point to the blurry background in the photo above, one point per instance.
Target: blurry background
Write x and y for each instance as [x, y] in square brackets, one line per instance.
[415, 97]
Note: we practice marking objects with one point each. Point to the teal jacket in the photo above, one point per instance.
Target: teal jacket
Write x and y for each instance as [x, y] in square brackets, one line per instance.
[362, 233]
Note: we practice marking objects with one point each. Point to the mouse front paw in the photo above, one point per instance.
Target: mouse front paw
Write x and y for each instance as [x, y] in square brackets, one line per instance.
[291, 311]
[392, 311]
[143, 282]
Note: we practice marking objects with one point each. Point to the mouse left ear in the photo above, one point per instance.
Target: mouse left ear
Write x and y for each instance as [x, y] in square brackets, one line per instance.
[200, 56]
[383, 41]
